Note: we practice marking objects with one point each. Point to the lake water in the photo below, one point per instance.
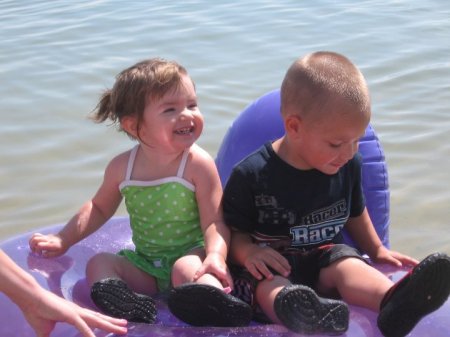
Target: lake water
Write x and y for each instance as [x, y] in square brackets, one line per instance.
[57, 56]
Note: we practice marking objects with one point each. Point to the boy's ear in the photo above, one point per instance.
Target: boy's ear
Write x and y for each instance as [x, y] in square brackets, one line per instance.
[292, 125]
[129, 124]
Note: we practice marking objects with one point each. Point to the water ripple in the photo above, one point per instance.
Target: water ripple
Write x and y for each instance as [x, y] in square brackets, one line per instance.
[57, 57]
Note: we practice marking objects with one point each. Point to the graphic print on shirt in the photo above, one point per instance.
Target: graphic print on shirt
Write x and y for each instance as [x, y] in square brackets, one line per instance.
[270, 213]
[317, 227]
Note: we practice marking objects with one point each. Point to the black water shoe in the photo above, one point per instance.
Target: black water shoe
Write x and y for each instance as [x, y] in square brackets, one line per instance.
[301, 310]
[205, 305]
[116, 299]
[423, 290]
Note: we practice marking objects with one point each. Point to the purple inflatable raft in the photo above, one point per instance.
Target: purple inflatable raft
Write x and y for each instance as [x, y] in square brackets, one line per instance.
[258, 123]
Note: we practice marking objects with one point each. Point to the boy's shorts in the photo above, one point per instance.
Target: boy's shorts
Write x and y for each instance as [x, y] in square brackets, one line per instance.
[305, 268]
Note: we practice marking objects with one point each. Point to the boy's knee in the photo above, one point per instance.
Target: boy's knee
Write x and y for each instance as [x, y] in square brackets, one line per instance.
[345, 264]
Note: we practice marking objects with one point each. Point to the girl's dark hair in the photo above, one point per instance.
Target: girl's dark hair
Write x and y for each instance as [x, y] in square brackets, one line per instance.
[135, 87]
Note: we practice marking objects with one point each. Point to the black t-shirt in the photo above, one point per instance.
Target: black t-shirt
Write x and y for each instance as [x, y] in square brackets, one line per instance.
[288, 208]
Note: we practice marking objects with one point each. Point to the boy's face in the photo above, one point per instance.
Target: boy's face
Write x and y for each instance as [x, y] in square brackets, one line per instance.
[327, 143]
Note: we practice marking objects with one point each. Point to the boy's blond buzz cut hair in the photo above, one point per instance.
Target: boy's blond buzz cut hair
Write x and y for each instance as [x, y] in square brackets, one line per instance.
[315, 80]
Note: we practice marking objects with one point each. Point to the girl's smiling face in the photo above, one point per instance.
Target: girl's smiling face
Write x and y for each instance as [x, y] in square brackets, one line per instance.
[173, 122]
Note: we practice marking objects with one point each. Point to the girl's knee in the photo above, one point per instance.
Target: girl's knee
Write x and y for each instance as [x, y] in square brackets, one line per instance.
[184, 269]
[99, 259]
[100, 266]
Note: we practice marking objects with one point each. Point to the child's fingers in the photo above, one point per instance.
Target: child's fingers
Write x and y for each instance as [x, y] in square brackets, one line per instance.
[46, 249]
[227, 281]
[394, 262]
[280, 267]
[51, 253]
[36, 242]
[199, 273]
[259, 270]
[222, 274]
[405, 260]
[277, 262]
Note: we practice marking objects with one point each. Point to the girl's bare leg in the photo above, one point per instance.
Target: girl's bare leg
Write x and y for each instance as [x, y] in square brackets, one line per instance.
[107, 265]
[203, 302]
[184, 269]
[120, 289]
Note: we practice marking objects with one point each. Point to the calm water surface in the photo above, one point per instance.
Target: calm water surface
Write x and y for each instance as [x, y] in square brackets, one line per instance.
[56, 57]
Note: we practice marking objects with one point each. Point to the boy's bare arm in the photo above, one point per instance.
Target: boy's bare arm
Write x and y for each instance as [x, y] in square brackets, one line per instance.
[361, 230]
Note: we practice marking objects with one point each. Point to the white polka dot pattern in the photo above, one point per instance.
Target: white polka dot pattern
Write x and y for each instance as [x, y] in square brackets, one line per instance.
[162, 217]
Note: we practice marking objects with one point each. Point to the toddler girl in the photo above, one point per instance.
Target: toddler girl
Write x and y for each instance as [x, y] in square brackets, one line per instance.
[172, 193]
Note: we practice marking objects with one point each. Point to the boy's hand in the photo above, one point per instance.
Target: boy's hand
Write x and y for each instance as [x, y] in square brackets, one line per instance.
[50, 245]
[260, 259]
[384, 255]
[216, 265]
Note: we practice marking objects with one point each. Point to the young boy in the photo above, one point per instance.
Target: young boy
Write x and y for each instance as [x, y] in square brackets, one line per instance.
[288, 202]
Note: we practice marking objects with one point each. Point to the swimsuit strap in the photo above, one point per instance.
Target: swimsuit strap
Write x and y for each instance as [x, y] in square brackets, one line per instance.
[131, 162]
[183, 163]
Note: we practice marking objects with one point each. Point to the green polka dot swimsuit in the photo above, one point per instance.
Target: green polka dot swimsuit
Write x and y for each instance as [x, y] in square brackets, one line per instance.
[164, 220]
